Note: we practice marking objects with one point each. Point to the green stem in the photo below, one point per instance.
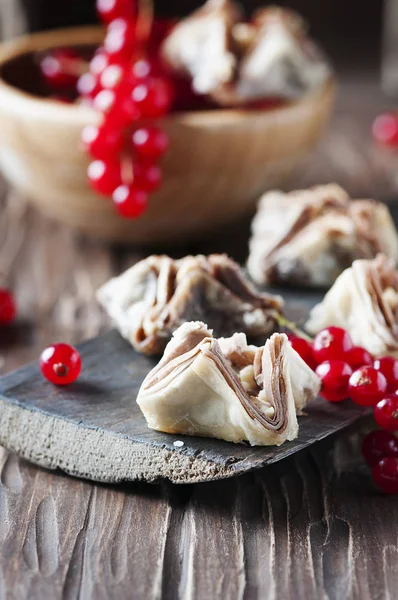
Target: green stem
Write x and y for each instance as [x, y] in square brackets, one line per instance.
[284, 322]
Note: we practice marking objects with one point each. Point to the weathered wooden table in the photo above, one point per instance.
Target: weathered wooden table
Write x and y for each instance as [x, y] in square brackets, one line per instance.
[310, 527]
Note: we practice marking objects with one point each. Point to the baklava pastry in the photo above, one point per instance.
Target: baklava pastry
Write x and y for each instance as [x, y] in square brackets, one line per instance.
[308, 237]
[364, 301]
[154, 297]
[236, 62]
[202, 47]
[227, 389]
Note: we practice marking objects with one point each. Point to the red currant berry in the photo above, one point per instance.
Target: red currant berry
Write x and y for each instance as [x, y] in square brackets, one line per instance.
[378, 444]
[385, 474]
[130, 202]
[334, 375]
[303, 348]
[386, 413]
[88, 85]
[61, 364]
[120, 39]
[358, 357]
[153, 97]
[147, 177]
[112, 76]
[104, 176]
[106, 101]
[141, 68]
[389, 367]
[103, 141]
[59, 67]
[99, 62]
[331, 344]
[8, 308]
[127, 110]
[149, 142]
[367, 386]
[108, 10]
[385, 129]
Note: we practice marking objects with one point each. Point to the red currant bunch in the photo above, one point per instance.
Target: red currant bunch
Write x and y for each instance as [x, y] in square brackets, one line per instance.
[127, 89]
[60, 364]
[350, 371]
[126, 84]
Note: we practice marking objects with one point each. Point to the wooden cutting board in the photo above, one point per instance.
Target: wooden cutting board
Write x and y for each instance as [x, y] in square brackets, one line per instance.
[94, 428]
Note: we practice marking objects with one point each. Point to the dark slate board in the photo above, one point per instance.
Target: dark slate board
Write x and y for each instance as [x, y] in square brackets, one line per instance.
[94, 428]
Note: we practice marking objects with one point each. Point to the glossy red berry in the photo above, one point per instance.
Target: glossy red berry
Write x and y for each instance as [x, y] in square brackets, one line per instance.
[153, 97]
[109, 10]
[102, 141]
[130, 202]
[59, 67]
[389, 367]
[358, 357]
[303, 348]
[385, 129]
[386, 413]
[120, 39]
[8, 308]
[141, 68]
[378, 444]
[112, 76]
[147, 177]
[99, 62]
[385, 474]
[367, 386]
[105, 101]
[334, 375]
[61, 364]
[104, 176]
[331, 344]
[88, 85]
[149, 142]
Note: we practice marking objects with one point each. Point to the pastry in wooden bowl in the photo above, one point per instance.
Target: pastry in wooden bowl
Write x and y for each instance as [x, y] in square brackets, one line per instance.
[154, 297]
[308, 237]
[219, 160]
[364, 302]
[227, 389]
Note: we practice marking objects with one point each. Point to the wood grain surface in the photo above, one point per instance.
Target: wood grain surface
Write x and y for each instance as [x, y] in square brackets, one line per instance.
[311, 527]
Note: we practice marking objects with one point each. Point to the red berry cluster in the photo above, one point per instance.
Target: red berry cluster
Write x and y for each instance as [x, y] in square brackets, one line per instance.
[350, 371]
[125, 83]
[125, 87]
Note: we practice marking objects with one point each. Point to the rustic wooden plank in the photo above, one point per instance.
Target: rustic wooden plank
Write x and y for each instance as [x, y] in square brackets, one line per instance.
[95, 429]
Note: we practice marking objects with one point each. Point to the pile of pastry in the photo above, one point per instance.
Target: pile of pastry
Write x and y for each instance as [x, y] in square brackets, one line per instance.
[203, 313]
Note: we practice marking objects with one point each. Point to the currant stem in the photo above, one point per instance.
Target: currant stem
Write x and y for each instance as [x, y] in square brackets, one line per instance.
[144, 21]
[284, 322]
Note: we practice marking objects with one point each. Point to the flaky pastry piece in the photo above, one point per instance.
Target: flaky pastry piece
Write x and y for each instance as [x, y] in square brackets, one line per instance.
[236, 62]
[154, 297]
[308, 237]
[364, 301]
[278, 60]
[227, 389]
[202, 46]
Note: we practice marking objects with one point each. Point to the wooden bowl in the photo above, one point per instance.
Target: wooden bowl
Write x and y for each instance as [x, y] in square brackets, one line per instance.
[218, 164]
